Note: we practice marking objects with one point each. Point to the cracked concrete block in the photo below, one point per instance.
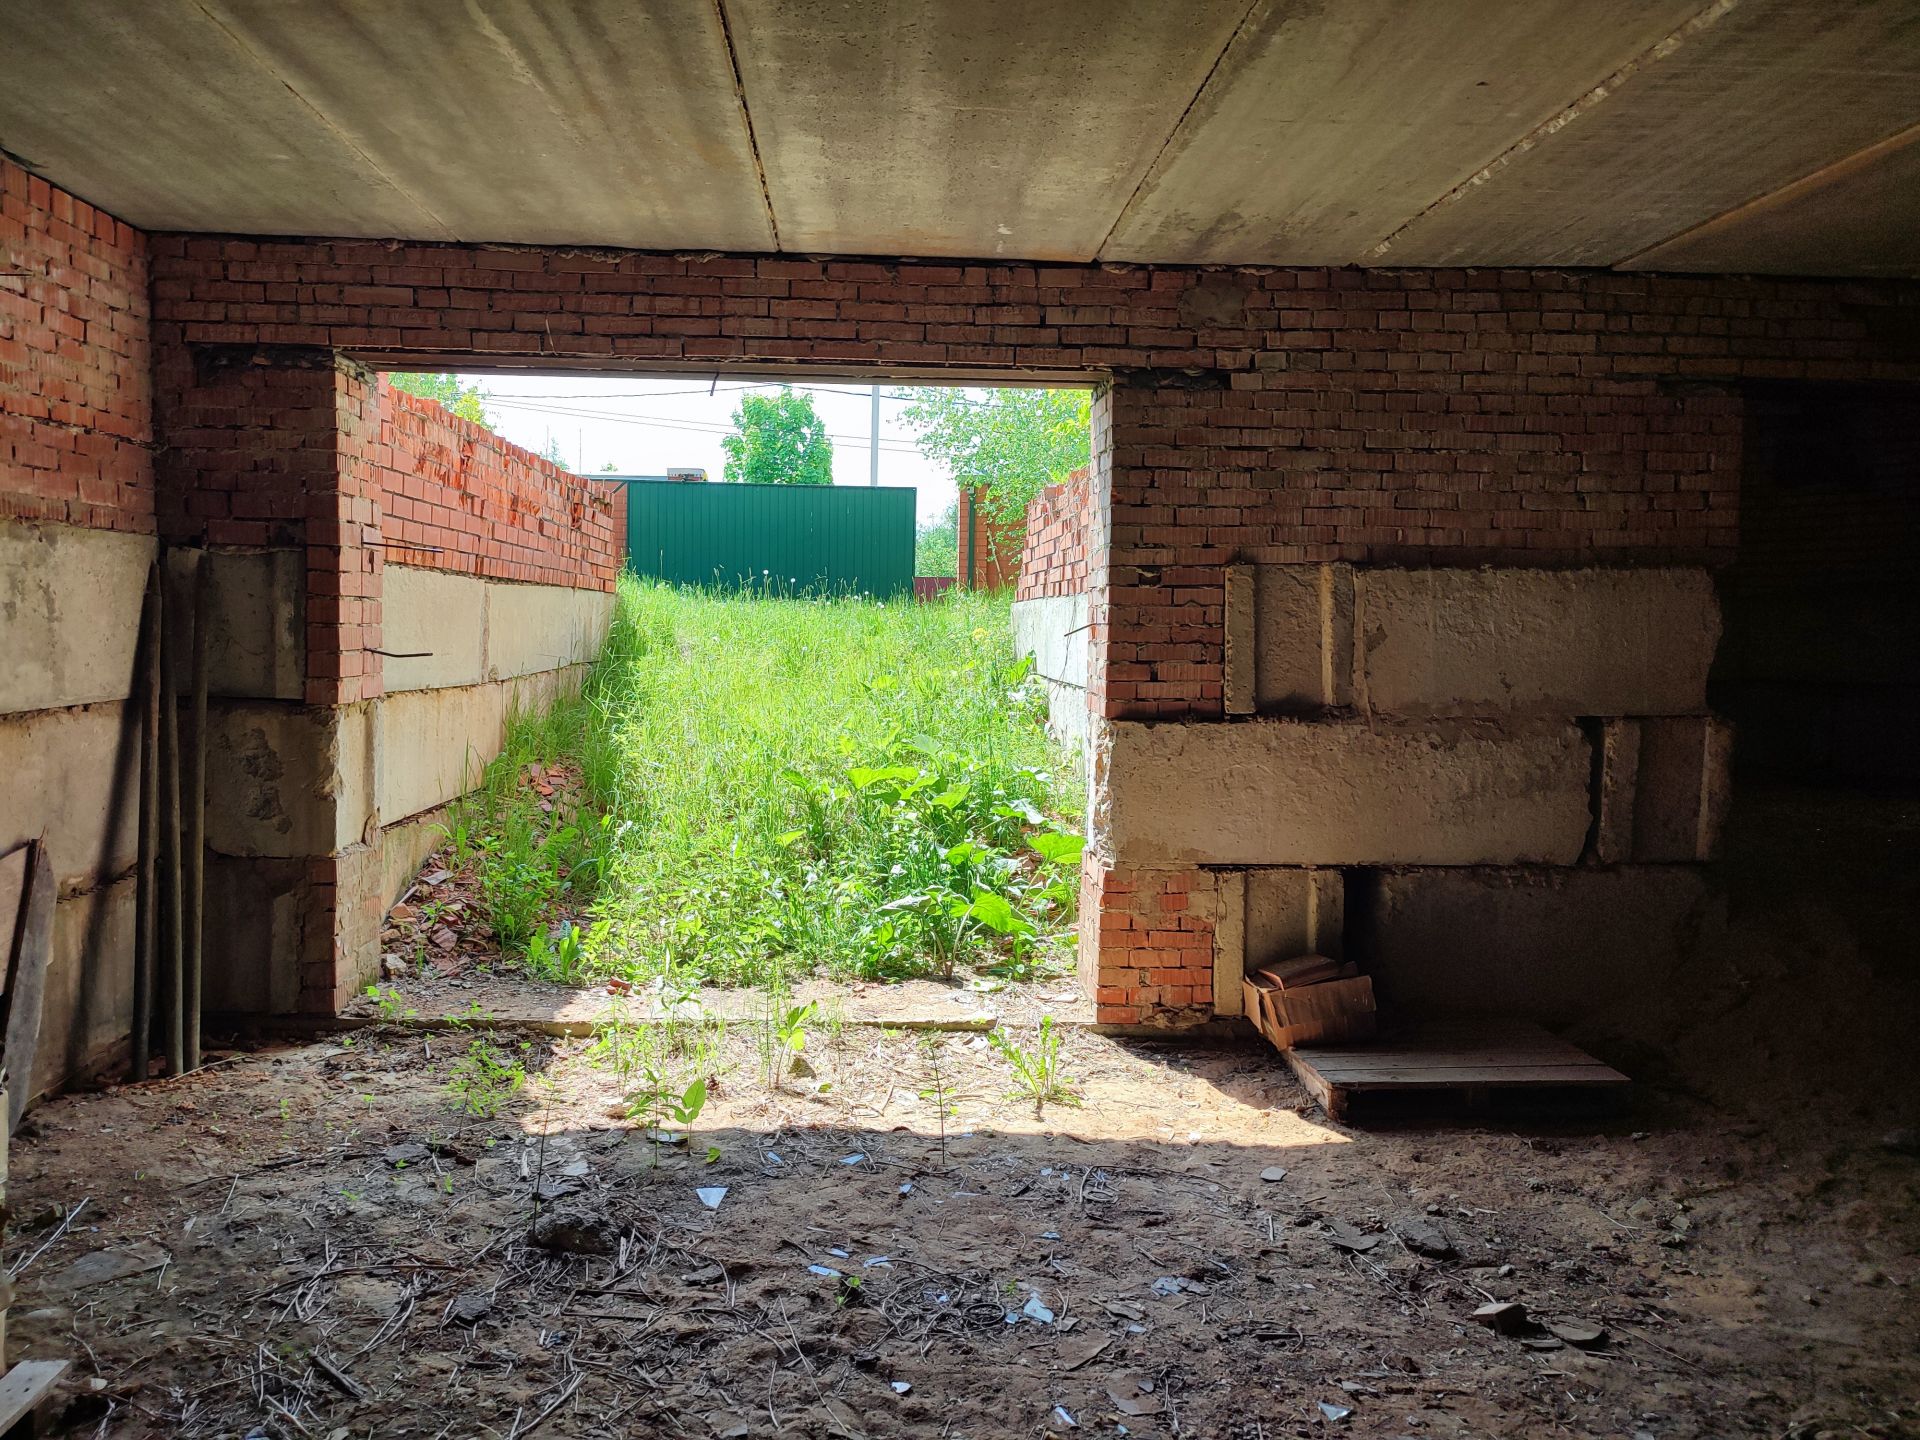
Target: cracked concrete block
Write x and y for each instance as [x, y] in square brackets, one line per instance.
[1290, 792]
[256, 635]
[1571, 642]
[1303, 638]
[1683, 789]
[70, 603]
[543, 627]
[286, 781]
[73, 776]
[1294, 912]
[442, 615]
[1555, 945]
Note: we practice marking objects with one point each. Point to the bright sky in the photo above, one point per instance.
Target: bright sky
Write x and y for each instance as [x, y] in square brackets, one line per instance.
[648, 426]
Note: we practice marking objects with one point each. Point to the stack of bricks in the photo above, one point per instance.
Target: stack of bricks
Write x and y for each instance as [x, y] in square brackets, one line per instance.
[76, 428]
[987, 549]
[458, 497]
[1059, 523]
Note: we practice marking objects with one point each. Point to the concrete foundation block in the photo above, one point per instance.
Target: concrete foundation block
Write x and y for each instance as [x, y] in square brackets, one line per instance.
[1564, 642]
[433, 744]
[403, 848]
[1303, 638]
[1555, 945]
[257, 633]
[72, 776]
[1290, 792]
[1054, 631]
[1618, 785]
[258, 913]
[1240, 658]
[1294, 912]
[434, 626]
[1684, 785]
[287, 780]
[531, 628]
[70, 603]
[1229, 942]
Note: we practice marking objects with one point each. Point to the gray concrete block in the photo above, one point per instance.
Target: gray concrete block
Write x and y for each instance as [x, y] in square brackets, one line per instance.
[73, 776]
[70, 604]
[256, 636]
[1290, 792]
[1684, 786]
[87, 1008]
[1556, 945]
[1564, 642]
[287, 780]
[434, 628]
[1294, 912]
[1229, 942]
[1054, 631]
[1303, 638]
[542, 627]
[432, 745]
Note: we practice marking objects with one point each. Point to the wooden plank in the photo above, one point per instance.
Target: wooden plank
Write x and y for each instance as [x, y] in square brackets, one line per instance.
[1386, 1077]
[27, 981]
[24, 1387]
[1443, 1059]
[1330, 1100]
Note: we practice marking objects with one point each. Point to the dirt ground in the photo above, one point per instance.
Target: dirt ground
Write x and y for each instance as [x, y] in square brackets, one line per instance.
[314, 1241]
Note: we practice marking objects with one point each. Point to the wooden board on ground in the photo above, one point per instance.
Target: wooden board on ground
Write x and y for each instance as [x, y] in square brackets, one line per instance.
[24, 1387]
[1460, 1060]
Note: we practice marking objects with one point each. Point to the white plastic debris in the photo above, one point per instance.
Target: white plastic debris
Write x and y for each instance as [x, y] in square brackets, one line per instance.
[711, 1195]
[1336, 1414]
[853, 1159]
[826, 1271]
[900, 1387]
[906, 1187]
[1060, 1414]
[1034, 1310]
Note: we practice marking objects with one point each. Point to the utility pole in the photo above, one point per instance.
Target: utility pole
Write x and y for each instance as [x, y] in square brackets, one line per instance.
[873, 452]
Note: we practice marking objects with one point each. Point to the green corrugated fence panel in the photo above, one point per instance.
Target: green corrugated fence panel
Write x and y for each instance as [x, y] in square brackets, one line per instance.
[790, 539]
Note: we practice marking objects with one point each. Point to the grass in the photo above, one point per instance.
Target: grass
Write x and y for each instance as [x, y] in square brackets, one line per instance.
[773, 787]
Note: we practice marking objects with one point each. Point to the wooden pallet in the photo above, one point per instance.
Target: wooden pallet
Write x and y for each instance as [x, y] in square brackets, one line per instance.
[1463, 1061]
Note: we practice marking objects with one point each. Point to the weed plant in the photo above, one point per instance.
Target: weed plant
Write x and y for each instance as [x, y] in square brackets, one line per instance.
[786, 786]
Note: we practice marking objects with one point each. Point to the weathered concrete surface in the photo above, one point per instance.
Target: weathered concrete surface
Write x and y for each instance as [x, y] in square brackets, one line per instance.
[1303, 638]
[73, 776]
[441, 614]
[257, 918]
[1564, 642]
[403, 846]
[1683, 787]
[1054, 631]
[1524, 132]
[1556, 945]
[1286, 792]
[981, 151]
[87, 1008]
[257, 117]
[531, 628]
[286, 780]
[1229, 941]
[1240, 659]
[1617, 788]
[1746, 100]
[1294, 912]
[70, 603]
[1355, 117]
[257, 634]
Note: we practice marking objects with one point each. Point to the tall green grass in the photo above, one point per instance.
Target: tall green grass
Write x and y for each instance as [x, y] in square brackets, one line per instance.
[780, 786]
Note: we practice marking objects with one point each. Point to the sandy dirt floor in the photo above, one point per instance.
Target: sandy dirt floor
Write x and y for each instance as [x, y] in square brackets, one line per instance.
[316, 1241]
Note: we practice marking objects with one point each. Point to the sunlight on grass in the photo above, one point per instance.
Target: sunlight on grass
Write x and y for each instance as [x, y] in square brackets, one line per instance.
[782, 786]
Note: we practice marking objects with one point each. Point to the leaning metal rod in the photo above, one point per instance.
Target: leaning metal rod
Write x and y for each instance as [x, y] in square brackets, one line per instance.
[147, 689]
[170, 936]
[194, 839]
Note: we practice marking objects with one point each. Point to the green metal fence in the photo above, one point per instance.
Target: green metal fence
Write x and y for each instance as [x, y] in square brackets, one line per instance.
[788, 539]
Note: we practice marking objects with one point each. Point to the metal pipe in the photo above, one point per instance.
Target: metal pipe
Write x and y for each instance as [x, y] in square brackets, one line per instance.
[147, 688]
[170, 926]
[194, 841]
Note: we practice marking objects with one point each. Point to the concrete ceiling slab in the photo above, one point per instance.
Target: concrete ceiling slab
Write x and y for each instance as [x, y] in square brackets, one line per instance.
[1791, 232]
[896, 127]
[158, 115]
[1750, 97]
[1326, 127]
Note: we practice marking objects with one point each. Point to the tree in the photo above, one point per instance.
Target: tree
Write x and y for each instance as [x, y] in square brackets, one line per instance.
[778, 440]
[469, 402]
[1010, 444]
[936, 549]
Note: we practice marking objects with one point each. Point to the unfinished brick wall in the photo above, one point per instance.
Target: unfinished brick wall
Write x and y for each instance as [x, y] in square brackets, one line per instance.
[987, 550]
[1274, 425]
[1060, 522]
[76, 428]
[455, 496]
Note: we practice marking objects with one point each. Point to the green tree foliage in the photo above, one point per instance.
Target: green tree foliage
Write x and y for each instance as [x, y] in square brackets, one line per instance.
[1009, 443]
[469, 402]
[936, 549]
[778, 440]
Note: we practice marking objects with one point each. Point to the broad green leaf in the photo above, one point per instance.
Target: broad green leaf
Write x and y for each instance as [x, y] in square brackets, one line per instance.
[1058, 848]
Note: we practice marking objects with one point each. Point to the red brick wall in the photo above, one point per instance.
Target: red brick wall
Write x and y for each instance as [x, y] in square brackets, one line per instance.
[1059, 525]
[458, 497]
[76, 394]
[988, 551]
